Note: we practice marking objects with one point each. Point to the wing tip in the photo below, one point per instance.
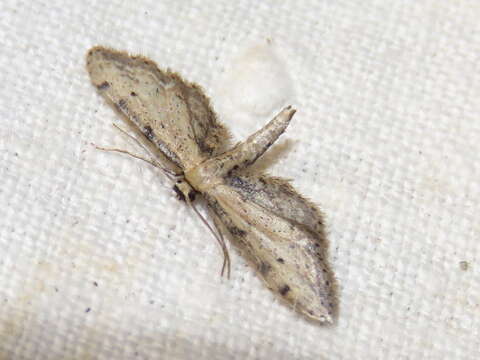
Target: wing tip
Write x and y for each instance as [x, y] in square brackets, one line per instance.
[324, 316]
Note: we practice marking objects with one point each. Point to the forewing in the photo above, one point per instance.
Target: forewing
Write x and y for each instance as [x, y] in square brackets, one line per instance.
[173, 114]
[281, 234]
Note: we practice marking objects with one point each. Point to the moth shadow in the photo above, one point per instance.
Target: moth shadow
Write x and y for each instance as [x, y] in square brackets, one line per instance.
[272, 156]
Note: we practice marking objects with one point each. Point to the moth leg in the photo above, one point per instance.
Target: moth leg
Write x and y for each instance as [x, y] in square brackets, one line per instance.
[149, 161]
[169, 173]
[218, 235]
[226, 255]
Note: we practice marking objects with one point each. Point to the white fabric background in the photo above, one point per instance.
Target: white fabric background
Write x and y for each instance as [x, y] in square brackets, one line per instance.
[100, 261]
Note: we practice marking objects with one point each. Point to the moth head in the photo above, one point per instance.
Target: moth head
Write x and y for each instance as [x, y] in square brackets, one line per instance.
[184, 191]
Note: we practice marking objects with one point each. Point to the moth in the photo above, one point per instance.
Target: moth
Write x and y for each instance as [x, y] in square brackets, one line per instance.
[278, 231]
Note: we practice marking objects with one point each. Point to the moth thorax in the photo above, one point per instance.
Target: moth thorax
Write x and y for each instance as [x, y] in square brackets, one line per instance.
[184, 191]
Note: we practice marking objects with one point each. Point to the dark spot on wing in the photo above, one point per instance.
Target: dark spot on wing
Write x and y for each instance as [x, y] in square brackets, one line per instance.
[104, 85]
[264, 268]
[216, 207]
[180, 195]
[242, 183]
[281, 261]
[284, 290]
[148, 132]
[236, 231]
[122, 104]
[133, 93]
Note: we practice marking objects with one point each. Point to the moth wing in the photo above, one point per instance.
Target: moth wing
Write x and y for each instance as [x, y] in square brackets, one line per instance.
[173, 114]
[281, 234]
